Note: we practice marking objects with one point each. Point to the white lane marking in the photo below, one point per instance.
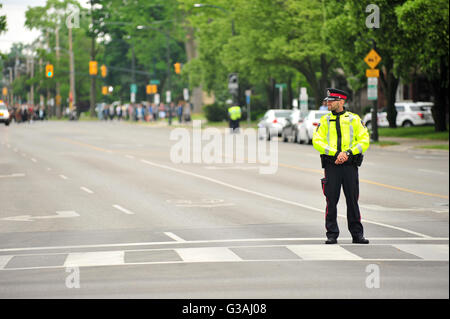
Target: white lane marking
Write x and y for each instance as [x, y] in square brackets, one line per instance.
[440, 211]
[33, 160]
[29, 218]
[372, 260]
[156, 243]
[174, 237]
[63, 177]
[435, 252]
[124, 210]
[4, 260]
[129, 156]
[100, 258]
[413, 209]
[87, 190]
[13, 175]
[322, 252]
[433, 172]
[209, 254]
[273, 197]
[231, 167]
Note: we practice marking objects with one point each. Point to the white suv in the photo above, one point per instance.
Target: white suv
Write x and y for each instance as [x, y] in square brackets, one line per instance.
[408, 114]
[4, 114]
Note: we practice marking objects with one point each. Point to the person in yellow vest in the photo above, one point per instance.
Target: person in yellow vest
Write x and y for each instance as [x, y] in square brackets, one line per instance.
[341, 139]
[234, 113]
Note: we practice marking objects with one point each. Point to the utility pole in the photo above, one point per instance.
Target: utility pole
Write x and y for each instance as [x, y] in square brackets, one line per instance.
[72, 73]
[93, 86]
[58, 93]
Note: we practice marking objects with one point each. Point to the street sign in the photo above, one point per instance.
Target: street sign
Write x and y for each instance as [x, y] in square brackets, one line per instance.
[303, 100]
[372, 73]
[168, 97]
[372, 59]
[372, 88]
[281, 85]
[186, 94]
[154, 82]
[248, 94]
[157, 99]
[133, 97]
[133, 88]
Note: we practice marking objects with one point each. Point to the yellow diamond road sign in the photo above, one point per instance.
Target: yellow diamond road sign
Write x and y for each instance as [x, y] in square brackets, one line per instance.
[372, 59]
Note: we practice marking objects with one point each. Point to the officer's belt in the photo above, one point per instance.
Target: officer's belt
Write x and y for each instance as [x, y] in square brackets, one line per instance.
[355, 160]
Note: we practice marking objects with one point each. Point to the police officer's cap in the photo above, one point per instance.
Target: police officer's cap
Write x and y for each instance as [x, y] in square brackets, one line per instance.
[335, 95]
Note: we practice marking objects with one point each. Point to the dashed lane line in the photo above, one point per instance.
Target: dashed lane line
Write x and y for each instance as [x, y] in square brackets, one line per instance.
[124, 210]
[87, 190]
[174, 237]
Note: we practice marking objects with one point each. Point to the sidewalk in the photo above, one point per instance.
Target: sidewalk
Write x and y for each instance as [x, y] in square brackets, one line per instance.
[408, 144]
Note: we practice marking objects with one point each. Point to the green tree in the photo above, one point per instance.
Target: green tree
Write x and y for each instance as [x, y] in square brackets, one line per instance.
[2, 21]
[428, 21]
[351, 40]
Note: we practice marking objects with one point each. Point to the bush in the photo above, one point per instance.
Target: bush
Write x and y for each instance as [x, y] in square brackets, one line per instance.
[216, 112]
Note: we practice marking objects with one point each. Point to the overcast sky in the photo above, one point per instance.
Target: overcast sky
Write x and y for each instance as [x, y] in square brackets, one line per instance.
[15, 16]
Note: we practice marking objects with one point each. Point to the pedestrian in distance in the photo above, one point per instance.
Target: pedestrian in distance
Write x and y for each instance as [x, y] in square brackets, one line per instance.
[234, 114]
[171, 112]
[180, 112]
[341, 139]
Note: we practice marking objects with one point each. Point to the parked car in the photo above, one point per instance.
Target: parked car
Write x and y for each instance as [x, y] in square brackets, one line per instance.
[290, 131]
[408, 114]
[5, 116]
[273, 122]
[309, 124]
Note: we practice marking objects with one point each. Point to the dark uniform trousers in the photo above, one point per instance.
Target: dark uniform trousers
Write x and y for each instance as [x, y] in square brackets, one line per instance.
[347, 177]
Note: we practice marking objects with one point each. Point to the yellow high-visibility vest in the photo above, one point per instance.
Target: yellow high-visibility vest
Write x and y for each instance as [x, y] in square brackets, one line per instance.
[354, 135]
[234, 112]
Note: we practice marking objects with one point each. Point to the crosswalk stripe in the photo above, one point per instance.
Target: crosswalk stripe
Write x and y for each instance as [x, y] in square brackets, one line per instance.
[4, 260]
[101, 258]
[328, 252]
[427, 252]
[213, 254]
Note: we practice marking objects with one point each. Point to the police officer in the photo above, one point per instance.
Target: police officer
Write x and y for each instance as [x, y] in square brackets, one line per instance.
[341, 138]
[234, 113]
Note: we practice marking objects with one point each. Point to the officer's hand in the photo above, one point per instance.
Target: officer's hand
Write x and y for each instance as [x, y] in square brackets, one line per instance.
[342, 158]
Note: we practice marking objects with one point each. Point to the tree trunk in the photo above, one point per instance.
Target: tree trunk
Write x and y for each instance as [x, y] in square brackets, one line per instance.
[390, 83]
[440, 107]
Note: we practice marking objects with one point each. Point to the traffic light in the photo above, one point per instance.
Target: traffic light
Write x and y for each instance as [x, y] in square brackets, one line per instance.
[49, 70]
[5, 91]
[93, 67]
[104, 71]
[104, 90]
[177, 68]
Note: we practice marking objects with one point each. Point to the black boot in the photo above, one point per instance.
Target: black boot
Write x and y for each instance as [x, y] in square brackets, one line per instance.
[331, 241]
[361, 240]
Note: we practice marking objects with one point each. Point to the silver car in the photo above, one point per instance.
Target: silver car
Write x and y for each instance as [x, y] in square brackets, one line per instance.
[309, 124]
[273, 122]
[291, 130]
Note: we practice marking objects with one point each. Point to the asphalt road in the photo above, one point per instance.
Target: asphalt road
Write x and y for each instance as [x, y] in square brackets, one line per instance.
[101, 210]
